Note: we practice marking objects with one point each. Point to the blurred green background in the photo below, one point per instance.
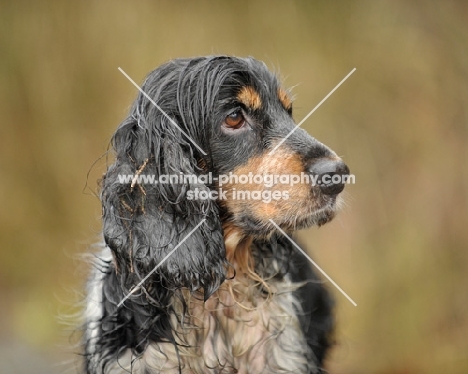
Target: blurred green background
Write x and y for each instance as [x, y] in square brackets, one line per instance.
[399, 248]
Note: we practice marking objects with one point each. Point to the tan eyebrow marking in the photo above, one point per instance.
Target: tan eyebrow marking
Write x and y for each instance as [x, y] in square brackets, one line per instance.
[249, 97]
[285, 99]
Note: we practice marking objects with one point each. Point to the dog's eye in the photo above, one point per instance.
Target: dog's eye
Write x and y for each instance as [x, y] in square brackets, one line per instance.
[235, 120]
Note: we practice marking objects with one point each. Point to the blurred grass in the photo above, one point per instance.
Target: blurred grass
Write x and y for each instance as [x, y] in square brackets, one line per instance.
[399, 248]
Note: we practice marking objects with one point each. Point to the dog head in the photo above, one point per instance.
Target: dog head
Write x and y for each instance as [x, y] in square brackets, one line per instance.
[214, 117]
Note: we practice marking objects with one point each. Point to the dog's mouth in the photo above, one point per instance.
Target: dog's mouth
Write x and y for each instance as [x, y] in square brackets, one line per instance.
[318, 216]
[293, 197]
[306, 216]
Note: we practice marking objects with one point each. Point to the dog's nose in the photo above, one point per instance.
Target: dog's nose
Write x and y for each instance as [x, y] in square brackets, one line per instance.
[329, 175]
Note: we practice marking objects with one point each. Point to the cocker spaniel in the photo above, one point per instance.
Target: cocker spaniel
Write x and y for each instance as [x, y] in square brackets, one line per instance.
[195, 275]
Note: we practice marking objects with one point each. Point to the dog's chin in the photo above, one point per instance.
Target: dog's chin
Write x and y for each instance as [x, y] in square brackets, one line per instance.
[259, 228]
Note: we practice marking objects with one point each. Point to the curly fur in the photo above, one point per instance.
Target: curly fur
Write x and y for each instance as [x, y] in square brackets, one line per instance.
[235, 297]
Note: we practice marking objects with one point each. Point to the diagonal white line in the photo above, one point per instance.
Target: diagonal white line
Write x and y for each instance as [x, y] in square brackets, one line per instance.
[160, 263]
[312, 111]
[313, 263]
[162, 111]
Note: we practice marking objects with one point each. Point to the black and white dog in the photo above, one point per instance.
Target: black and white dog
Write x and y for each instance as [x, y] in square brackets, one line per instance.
[204, 285]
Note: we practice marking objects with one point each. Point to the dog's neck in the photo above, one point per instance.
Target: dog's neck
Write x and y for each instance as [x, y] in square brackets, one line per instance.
[238, 249]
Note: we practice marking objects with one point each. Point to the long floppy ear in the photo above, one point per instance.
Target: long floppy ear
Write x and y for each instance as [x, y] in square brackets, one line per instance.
[143, 221]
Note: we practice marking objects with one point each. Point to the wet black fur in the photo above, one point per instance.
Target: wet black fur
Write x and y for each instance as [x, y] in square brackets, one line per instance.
[143, 223]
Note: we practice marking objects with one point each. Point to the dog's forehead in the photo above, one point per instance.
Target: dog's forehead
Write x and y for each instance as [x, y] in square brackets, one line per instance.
[249, 80]
[254, 94]
[250, 97]
[284, 98]
[254, 99]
